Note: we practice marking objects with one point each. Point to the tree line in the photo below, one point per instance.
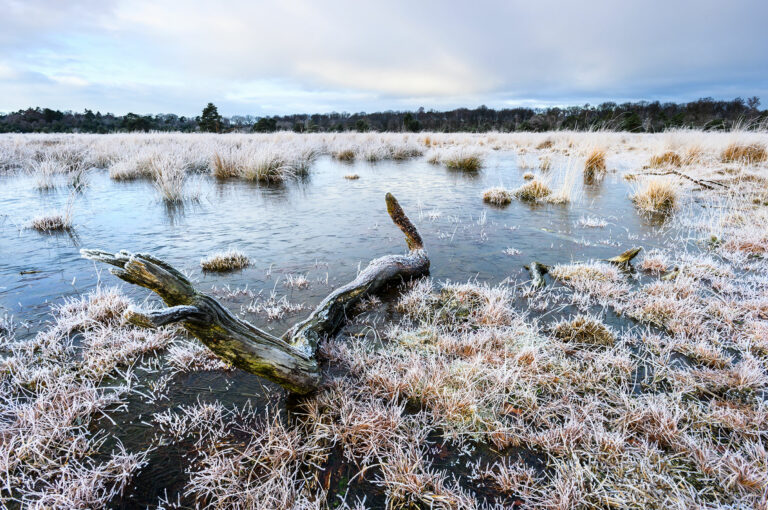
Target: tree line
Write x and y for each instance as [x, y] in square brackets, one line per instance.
[641, 116]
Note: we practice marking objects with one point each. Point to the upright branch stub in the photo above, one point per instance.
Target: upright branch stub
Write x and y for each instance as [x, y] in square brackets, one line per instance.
[412, 237]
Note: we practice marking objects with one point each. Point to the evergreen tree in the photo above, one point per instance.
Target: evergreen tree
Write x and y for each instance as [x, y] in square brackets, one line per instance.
[210, 120]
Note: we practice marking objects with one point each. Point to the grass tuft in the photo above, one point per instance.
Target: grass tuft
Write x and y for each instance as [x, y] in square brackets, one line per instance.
[584, 329]
[669, 158]
[463, 160]
[532, 191]
[225, 261]
[656, 195]
[497, 196]
[51, 222]
[594, 167]
[744, 153]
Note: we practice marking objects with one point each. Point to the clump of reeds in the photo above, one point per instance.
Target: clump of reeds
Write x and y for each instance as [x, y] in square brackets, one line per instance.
[224, 165]
[266, 165]
[656, 195]
[533, 191]
[46, 171]
[344, 154]
[595, 167]
[584, 329]
[463, 160]
[170, 175]
[546, 144]
[351, 177]
[744, 153]
[124, 170]
[669, 158]
[545, 163]
[229, 260]
[433, 156]
[528, 176]
[497, 196]
[55, 221]
[51, 222]
[404, 151]
[566, 191]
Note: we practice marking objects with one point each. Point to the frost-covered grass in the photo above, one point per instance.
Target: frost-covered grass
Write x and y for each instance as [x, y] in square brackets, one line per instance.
[497, 196]
[656, 195]
[52, 393]
[228, 260]
[663, 408]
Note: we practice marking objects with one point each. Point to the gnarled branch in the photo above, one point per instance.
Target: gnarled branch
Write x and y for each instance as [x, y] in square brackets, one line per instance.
[289, 361]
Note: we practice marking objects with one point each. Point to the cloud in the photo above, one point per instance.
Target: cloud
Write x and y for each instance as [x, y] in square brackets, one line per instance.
[262, 56]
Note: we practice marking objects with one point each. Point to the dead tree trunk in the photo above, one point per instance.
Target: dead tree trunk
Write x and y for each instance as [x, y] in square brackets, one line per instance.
[289, 361]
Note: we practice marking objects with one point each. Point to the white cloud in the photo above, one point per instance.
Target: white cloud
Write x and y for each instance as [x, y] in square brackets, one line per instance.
[300, 55]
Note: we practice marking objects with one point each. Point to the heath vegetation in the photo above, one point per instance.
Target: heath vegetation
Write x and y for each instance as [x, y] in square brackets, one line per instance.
[612, 384]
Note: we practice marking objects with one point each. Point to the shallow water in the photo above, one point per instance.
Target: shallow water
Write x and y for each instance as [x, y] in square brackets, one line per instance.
[324, 227]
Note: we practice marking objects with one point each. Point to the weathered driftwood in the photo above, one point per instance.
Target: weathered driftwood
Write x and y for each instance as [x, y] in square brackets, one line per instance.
[626, 257]
[290, 360]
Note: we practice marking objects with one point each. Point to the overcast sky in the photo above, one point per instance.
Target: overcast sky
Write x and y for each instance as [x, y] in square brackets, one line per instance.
[296, 56]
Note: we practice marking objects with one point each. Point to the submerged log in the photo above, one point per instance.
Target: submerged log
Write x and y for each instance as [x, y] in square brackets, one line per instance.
[290, 360]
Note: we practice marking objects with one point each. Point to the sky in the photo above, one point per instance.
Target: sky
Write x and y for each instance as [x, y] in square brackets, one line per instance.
[310, 56]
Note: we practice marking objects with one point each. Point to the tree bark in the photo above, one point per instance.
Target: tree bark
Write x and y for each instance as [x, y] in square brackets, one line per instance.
[290, 360]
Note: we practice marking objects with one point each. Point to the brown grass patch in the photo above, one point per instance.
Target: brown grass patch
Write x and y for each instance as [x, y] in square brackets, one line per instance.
[595, 164]
[657, 195]
[532, 191]
[744, 153]
[669, 158]
[584, 329]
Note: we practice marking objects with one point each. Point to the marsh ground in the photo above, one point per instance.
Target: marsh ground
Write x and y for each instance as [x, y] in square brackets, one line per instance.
[449, 395]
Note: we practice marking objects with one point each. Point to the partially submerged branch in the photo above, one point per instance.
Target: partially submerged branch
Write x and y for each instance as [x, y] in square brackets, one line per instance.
[537, 270]
[626, 257]
[707, 184]
[289, 361]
